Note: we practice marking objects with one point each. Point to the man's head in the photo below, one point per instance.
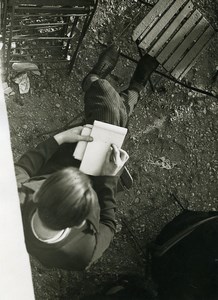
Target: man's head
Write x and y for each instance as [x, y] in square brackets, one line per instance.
[65, 199]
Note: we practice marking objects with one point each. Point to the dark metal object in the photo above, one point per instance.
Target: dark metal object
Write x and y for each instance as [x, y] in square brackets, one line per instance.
[44, 31]
[175, 198]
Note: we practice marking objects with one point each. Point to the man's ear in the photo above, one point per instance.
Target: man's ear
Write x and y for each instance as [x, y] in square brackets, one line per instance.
[89, 195]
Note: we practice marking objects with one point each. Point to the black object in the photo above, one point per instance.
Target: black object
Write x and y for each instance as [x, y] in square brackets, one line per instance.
[185, 257]
[145, 67]
[106, 63]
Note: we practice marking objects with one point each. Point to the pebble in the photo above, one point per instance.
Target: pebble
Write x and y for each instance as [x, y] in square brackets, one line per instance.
[24, 126]
[57, 105]
[137, 200]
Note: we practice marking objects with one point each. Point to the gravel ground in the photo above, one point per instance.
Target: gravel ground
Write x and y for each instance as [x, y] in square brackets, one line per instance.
[172, 143]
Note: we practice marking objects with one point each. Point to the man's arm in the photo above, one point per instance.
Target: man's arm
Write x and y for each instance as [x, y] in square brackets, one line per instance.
[33, 160]
[106, 184]
[106, 187]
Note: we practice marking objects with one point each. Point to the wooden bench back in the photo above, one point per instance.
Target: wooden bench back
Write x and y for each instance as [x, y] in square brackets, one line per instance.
[175, 33]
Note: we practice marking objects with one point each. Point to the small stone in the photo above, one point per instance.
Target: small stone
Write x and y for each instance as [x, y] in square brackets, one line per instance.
[58, 105]
[137, 200]
[190, 94]
[24, 126]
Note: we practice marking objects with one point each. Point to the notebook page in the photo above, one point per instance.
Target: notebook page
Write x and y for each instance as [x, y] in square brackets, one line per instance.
[104, 135]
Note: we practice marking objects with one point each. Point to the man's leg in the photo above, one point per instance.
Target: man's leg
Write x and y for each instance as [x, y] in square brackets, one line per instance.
[143, 71]
[103, 102]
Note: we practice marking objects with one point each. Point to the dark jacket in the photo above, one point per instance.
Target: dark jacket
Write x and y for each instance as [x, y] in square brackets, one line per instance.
[81, 247]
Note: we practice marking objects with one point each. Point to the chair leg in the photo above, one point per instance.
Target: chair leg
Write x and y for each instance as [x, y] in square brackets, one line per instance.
[4, 18]
[83, 33]
[9, 41]
[75, 21]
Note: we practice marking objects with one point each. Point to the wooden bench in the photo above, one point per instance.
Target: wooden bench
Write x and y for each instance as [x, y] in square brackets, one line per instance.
[175, 33]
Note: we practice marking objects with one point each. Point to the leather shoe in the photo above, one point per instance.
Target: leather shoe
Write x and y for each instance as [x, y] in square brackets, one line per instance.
[145, 67]
[106, 63]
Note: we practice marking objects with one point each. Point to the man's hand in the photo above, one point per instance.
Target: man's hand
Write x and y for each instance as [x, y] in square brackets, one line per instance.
[115, 160]
[72, 135]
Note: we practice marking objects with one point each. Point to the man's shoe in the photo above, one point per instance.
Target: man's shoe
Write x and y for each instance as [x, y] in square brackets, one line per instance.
[145, 67]
[106, 63]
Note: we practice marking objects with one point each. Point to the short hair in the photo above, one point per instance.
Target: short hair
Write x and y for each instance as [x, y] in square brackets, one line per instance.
[65, 199]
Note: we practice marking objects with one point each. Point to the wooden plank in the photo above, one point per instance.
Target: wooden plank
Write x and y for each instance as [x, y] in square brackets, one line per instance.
[31, 38]
[186, 44]
[151, 17]
[178, 37]
[171, 29]
[188, 61]
[161, 24]
[76, 11]
[53, 2]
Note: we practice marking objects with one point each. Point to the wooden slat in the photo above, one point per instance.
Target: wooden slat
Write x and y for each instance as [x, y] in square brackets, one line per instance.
[58, 10]
[41, 60]
[186, 44]
[188, 61]
[30, 38]
[160, 25]
[53, 2]
[151, 17]
[171, 29]
[178, 37]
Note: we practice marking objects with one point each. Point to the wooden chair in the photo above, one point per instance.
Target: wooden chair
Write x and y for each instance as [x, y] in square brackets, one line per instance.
[175, 33]
[48, 31]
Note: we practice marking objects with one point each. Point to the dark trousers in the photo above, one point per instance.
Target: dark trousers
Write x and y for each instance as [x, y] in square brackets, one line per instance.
[104, 103]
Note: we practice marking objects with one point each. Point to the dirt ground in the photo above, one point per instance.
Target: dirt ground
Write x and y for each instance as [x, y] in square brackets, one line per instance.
[172, 143]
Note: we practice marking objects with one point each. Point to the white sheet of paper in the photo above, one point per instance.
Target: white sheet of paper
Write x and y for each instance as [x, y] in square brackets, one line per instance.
[104, 135]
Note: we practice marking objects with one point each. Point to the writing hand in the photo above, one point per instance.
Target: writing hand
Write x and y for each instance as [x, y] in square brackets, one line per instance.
[115, 160]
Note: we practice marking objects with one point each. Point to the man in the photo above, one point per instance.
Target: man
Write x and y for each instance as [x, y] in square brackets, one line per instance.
[69, 217]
